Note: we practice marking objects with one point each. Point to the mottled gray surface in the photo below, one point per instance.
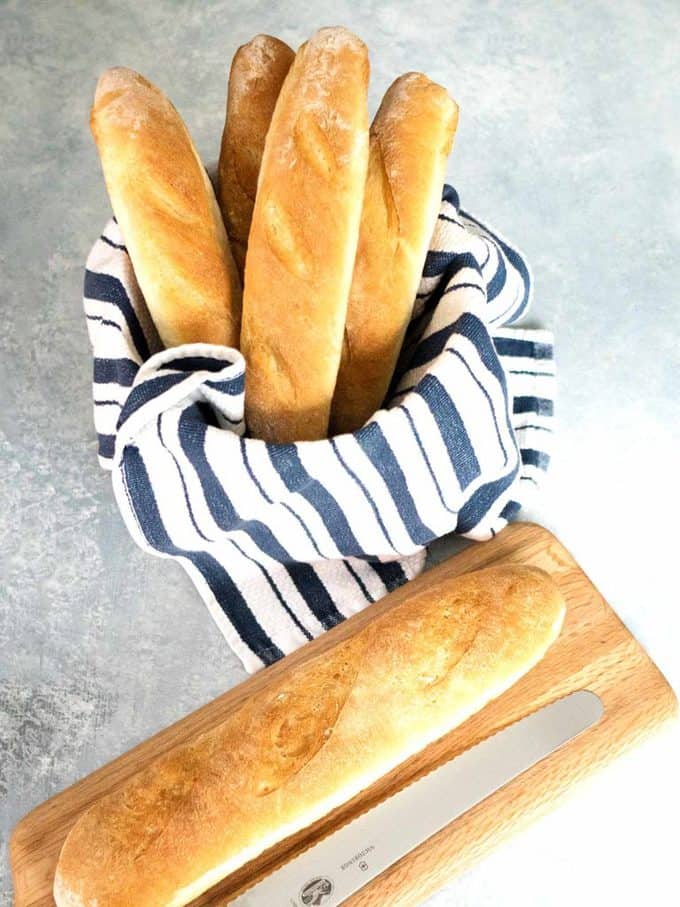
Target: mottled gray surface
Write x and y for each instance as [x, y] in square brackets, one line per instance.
[568, 143]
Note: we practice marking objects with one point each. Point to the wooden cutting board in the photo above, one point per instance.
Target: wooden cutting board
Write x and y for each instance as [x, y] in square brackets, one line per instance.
[594, 651]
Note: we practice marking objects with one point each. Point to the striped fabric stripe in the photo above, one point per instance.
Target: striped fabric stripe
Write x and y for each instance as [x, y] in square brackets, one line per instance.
[285, 541]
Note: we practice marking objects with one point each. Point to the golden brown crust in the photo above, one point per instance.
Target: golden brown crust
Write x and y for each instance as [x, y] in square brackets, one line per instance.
[411, 138]
[167, 212]
[257, 73]
[303, 239]
[310, 740]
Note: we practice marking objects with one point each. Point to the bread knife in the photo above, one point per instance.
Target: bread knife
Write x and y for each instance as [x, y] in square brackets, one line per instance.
[340, 864]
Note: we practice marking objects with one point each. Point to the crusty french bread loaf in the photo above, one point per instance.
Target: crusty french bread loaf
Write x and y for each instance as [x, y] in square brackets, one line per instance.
[310, 740]
[303, 239]
[167, 212]
[257, 73]
[410, 141]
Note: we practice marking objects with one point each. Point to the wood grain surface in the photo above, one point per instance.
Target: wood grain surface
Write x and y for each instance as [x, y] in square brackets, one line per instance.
[594, 651]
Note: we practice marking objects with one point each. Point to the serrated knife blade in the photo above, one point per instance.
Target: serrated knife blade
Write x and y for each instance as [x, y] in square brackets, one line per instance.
[340, 864]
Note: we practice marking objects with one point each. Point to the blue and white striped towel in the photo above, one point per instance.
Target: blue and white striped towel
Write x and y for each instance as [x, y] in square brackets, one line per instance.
[285, 541]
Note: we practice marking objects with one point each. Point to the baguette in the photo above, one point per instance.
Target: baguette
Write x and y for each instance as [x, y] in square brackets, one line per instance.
[410, 141]
[303, 239]
[310, 740]
[167, 212]
[257, 73]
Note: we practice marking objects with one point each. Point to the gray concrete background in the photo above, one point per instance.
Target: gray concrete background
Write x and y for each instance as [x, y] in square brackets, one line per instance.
[568, 143]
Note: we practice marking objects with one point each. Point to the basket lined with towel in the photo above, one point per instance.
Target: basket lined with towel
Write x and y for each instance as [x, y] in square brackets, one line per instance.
[285, 541]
